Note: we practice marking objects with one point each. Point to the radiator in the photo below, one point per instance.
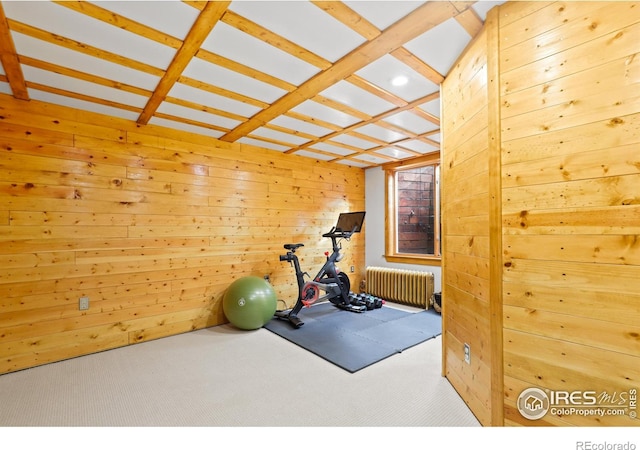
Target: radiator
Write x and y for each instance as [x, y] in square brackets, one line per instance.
[408, 287]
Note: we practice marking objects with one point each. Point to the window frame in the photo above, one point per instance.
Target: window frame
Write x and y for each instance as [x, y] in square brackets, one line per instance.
[391, 237]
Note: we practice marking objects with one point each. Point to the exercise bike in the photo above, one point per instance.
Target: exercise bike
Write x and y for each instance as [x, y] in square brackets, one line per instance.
[329, 283]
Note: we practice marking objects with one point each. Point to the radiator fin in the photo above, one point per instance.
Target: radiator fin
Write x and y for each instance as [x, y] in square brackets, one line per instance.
[408, 287]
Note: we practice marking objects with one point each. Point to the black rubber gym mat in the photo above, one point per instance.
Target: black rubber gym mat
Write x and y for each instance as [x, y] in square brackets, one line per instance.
[354, 341]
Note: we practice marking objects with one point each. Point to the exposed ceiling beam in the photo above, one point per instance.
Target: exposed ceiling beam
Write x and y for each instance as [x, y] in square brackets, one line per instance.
[203, 25]
[271, 38]
[425, 115]
[83, 48]
[470, 21]
[72, 73]
[419, 21]
[350, 18]
[411, 60]
[375, 90]
[121, 22]
[79, 96]
[234, 66]
[10, 62]
[374, 120]
[240, 85]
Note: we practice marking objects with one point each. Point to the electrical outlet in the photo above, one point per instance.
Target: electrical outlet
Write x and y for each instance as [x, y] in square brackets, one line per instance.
[353, 269]
[84, 303]
[467, 353]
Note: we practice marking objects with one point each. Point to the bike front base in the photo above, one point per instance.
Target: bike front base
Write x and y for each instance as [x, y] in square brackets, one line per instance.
[289, 316]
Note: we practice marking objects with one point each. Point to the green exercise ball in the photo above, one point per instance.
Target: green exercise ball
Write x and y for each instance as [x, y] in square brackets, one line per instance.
[249, 303]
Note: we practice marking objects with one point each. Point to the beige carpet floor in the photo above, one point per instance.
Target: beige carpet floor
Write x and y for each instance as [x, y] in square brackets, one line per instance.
[225, 377]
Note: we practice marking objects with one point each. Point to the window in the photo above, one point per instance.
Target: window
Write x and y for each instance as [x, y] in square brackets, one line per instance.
[413, 211]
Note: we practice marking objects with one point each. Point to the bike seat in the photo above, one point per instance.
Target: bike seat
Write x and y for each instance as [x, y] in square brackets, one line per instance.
[293, 247]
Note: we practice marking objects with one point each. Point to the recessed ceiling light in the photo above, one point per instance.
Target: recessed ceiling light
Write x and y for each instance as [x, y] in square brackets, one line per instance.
[400, 80]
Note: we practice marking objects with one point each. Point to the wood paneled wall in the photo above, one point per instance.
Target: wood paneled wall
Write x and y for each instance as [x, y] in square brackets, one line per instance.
[570, 88]
[152, 225]
[569, 202]
[465, 228]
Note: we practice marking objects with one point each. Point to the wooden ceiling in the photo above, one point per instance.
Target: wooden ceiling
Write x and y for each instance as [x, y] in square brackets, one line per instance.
[313, 78]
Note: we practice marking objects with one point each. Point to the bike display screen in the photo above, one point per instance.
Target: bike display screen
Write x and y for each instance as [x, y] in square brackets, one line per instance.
[350, 222]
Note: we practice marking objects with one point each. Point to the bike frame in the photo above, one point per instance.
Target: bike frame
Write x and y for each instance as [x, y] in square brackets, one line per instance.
[329, 279]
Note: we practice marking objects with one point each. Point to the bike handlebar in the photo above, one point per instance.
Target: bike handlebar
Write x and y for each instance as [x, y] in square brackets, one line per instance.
[340, 234]
[333, 234]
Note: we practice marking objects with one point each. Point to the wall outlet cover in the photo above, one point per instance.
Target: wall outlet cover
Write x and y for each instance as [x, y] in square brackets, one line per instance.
[84, 303]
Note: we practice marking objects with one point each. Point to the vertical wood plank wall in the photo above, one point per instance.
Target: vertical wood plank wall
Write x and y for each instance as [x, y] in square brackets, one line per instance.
[570, 87]
[569, 118]
[152, 225]
[465, 229]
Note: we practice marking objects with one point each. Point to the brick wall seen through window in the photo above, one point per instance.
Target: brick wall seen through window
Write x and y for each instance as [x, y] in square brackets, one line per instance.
[415, 190]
